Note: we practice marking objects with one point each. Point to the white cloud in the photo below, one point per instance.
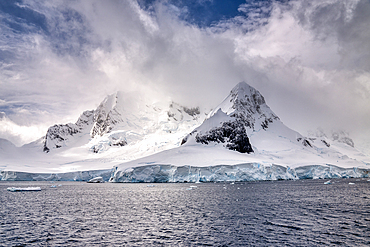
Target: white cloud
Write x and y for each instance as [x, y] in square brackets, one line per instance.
[310, 59]
[17, 134]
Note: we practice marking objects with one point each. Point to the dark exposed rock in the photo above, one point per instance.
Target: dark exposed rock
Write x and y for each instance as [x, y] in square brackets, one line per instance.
[46, 149]
[304, 141]
[192, 111]
[233, 133]
[177, 112]
[184, 140]
[119, 142]
[342, 136]
[58, 134]
[326, 143]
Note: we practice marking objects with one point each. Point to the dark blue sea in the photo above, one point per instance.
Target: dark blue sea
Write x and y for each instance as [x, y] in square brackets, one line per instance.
[279, 213]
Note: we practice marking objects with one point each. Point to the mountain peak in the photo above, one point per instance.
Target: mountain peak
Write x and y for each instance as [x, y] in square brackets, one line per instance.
[245, 97]
[244, 101]
[244, 110]
[243, 88]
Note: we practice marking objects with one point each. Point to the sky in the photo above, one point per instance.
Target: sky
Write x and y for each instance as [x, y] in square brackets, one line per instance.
[310, 59]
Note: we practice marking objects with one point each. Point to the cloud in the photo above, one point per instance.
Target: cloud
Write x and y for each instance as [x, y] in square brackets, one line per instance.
[18, 134]
[310, 59]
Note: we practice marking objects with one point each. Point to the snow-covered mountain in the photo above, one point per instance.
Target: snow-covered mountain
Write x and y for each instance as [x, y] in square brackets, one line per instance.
[62, 135]
[148, 141]
[7, 148]
[245, 123]
[125, 126]
[243, 139]
[243, 114]
[124, 119]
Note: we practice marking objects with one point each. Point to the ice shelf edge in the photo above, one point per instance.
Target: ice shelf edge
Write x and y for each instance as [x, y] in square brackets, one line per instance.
[174, 174]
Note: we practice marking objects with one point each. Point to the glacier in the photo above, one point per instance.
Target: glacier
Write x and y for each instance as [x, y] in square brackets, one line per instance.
[67, 176]
[193, 174]
[232, 173]
[15, 189]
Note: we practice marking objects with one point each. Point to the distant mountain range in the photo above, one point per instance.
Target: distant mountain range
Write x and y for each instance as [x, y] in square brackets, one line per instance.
[144, 140]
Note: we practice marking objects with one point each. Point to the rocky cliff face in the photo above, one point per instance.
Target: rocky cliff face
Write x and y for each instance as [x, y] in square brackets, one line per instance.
[58, 135]
[232, 133]
[248, 105]
[107, 115]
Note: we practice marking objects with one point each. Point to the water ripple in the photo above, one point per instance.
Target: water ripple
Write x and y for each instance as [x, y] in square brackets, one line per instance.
[280, 213]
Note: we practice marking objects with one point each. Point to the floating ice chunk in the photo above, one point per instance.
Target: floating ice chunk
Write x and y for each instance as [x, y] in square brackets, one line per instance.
[193, 186]
[351, 183]
[53, 186]
[328, 182]
[150, 185]
[14, 189]
[96, 180]
[189, 188]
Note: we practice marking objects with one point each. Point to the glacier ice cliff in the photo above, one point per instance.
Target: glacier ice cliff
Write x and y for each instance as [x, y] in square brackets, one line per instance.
[232, 173]
[68, 176]
[182, 174]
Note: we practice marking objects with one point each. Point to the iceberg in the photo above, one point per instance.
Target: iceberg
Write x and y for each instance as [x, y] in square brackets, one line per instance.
[96, 180]
[14, 189]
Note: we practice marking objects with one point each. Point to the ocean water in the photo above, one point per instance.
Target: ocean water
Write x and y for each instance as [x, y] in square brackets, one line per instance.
[279, 213]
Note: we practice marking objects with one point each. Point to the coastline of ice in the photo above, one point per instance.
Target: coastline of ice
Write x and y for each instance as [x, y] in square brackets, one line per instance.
[232, 173]
[69, 176]
[242, 139]
[181, 174]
